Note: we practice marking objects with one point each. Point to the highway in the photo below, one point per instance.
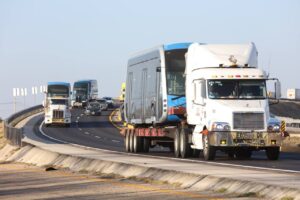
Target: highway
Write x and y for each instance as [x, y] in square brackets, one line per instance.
[98, 132]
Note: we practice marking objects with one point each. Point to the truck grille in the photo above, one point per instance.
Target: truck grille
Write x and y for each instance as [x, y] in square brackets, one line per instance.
[58, 114]
[248, 121]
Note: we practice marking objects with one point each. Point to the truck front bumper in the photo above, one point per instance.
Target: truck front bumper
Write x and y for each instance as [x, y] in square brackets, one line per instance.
[247, 139]
[58, 121]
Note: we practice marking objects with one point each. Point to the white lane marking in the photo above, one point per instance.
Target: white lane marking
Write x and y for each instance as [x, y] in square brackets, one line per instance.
[81, 114]
[176, 159]
[87, 133]
[78, 117]
[76, 121]
[117, 141]
[97, 137]
[80, 129]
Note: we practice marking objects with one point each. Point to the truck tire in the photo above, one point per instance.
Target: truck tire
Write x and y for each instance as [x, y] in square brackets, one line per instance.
[131, 138]
[127, 140]
[273, 153]
[145, 144]
[177, 143]
[209, 152]
[185, 148]
[136, 143]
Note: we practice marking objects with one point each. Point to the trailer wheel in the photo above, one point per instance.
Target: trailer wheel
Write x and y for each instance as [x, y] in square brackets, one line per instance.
[127, 141]
[131, 138]
[136, 143]
[177, 143]
[185, 148]
[273, 153]
[145, 144]
[209, 152]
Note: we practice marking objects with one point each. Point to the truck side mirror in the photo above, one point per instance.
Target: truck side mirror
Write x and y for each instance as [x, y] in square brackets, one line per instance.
[277, 89]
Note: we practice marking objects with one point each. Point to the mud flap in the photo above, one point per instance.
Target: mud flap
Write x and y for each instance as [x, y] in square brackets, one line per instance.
[197, 138]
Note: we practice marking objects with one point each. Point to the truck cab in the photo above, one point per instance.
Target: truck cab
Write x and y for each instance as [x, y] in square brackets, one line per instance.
[57, 104]
[227, 103]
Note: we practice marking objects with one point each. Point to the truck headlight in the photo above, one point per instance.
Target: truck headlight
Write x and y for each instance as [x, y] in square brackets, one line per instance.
[220, 126]
[273, 128]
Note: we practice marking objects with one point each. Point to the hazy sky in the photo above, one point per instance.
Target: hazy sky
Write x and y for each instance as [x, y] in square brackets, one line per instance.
[49, 40]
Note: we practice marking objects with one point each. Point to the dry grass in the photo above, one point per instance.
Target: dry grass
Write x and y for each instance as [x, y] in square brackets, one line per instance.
[2, 139]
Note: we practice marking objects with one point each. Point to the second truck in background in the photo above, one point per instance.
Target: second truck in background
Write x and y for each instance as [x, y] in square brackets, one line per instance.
[57, 103]
[83, 92]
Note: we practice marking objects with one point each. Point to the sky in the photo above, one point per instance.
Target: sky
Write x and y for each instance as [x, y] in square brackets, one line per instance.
[67, 40]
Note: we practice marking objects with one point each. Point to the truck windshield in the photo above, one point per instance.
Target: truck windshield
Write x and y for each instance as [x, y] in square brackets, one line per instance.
[58, 102]
[80, 90]
[237, 89]
[175, 66]
[58, 90]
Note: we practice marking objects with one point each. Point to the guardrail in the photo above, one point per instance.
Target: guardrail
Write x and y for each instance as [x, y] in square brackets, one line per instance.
[11, 133]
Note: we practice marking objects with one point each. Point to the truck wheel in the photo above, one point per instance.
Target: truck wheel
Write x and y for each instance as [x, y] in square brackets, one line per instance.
[209, 151]
[177, 143]
[136, 143]
[146, 144]
[185, 148]
[127, 140]
[131, 138]
[273, 153]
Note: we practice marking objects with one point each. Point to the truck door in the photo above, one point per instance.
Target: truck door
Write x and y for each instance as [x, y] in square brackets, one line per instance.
[198, 106]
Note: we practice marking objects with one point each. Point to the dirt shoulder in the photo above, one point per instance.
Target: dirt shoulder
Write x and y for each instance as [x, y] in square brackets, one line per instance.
[2, 139]
[292, 143]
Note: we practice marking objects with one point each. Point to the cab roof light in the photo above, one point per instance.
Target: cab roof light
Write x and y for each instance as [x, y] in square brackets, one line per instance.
[214, 76]
[230, 76]
[245, 76]
[238, 76]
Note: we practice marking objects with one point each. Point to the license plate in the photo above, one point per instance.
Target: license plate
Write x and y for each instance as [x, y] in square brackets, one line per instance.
[242, 135]
[58, 120]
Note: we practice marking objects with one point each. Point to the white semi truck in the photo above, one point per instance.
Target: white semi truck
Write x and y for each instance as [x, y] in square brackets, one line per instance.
[57, 104]
[83, 92]
[199, 97]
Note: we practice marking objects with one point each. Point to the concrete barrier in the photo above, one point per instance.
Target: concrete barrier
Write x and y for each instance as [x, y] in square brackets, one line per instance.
[201, 182]
[11, 133]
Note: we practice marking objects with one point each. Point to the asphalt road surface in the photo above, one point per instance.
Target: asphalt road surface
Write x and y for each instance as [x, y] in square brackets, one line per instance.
[98, 132]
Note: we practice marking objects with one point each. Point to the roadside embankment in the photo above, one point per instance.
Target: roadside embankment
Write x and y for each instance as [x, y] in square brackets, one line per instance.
[2, 139]
[210, 178]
